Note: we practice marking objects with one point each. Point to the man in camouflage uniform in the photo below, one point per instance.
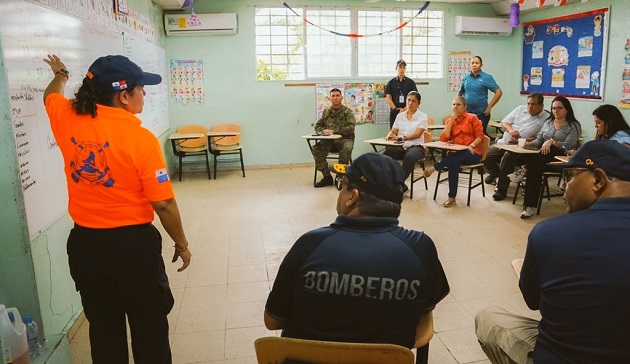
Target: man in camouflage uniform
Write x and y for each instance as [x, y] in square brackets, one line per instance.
[336, 119]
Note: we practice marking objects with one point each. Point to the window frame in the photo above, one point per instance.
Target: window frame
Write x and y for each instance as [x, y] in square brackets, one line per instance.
[431, 31]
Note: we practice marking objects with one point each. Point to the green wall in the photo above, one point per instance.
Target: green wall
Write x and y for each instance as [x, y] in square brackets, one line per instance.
[275, 116]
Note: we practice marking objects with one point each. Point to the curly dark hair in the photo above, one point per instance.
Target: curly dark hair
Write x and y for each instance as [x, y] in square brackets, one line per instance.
[93, 92]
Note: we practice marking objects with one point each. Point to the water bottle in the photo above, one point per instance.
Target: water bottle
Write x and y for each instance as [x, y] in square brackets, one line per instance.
[32, 334]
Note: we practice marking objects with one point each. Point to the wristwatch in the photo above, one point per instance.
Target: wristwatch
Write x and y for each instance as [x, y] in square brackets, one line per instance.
[63, 71]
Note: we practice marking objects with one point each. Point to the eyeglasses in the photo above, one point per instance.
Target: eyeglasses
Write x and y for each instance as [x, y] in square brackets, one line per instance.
[569, 173]
[557, 108]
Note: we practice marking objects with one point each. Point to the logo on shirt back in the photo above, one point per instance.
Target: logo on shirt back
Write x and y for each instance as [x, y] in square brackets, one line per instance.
[89, 164]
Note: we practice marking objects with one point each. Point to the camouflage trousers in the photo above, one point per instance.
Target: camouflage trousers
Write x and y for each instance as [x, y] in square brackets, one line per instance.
[323, 147]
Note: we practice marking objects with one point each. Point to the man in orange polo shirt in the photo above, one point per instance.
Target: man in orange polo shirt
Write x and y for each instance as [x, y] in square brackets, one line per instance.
[117, 179]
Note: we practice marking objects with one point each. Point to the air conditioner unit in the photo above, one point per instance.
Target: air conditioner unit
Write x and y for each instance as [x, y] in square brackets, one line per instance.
[200, 24]
[468, 25]
[169, 4]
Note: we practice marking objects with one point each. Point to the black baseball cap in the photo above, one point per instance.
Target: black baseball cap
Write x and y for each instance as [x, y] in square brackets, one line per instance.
[608, 155]
[376, 174]
[119, 73]
[401, 61]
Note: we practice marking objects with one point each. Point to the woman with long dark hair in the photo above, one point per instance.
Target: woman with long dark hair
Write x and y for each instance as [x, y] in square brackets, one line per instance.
[561, 132]
[610, 124]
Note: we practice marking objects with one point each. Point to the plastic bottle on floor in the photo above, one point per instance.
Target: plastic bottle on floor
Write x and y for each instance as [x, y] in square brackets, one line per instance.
[32, 335]
[15, 344]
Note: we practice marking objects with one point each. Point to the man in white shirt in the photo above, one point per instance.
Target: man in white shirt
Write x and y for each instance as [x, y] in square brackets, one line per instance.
[524, 121]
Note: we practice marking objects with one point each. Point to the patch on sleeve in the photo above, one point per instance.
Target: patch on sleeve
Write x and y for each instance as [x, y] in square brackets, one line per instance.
[161, 175]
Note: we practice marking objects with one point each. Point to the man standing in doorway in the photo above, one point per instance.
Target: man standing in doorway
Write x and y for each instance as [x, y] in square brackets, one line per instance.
[336, 119]
[396, 91]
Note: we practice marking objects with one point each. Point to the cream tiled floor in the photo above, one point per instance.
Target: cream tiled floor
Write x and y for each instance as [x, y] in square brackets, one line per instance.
[240, 228]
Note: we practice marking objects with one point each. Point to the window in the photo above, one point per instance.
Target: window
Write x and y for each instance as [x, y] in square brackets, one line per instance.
[288, 49]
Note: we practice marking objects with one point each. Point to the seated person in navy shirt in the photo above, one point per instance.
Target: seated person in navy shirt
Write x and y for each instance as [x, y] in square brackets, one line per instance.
[575, 272]
[363, 278]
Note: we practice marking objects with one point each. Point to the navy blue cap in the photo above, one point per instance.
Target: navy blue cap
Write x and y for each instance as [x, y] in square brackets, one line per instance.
[610, 156]
[376, 174]
[121, 73]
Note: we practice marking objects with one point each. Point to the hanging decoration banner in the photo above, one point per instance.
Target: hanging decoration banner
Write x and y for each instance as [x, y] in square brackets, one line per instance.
[353, 35]
[566, 56]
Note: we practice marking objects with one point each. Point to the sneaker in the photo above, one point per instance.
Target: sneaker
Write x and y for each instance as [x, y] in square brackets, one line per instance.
[499, 196]
[326, 181]
[517, 176]
[490, 180]
[528, 212]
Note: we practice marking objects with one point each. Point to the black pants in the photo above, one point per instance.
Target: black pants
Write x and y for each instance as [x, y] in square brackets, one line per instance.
[536, 164]
[120, 274]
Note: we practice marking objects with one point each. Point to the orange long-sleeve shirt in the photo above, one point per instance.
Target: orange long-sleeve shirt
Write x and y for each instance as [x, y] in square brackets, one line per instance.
[465, 130]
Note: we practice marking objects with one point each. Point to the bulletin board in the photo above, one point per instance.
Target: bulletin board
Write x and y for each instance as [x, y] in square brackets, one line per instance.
[566, 56]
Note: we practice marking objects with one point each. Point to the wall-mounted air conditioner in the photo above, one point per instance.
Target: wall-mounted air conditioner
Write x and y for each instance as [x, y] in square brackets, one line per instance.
[199, 24]
[468, 25]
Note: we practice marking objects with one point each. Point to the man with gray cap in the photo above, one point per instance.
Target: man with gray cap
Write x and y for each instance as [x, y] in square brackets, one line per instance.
[575, 272]
[363, 278]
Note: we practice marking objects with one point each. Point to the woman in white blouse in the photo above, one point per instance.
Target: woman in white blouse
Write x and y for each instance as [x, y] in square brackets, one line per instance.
[408, 129]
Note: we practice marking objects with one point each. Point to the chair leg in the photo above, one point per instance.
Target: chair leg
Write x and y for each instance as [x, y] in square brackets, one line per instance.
[544, 187]
[426, 185]
[411, 189]
[437, 183]
[483, 185]
[422, 354]
[470, 176]
[180, 168]
[242, 164]
[215, 166]
[208, 165]
[518, 187]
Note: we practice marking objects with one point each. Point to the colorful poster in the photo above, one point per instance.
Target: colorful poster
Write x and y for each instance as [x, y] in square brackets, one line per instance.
[624, 100]
[322, 93]
[360, 98]
[458, 67]
[187, 81]
[367, 101]
[557, 77]
[583, 79]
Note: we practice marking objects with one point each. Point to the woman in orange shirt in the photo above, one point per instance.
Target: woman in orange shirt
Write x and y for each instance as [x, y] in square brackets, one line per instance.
[461, 128]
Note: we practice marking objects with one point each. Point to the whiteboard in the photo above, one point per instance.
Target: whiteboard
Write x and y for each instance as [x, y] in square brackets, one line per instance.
[29, 32]
[151, 58]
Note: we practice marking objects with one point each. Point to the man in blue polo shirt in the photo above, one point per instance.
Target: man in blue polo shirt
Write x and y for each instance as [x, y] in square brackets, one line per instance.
[363, 278]
[575, 272]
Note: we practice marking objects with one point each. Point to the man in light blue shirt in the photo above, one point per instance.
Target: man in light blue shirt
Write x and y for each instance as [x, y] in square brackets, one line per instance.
[522, 122]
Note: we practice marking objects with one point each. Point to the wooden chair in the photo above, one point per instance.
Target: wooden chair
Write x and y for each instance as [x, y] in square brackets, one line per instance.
[278, 350]
[517, 265]
[192, 147]
[414, 179]
[229, 145]
[469, 169]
